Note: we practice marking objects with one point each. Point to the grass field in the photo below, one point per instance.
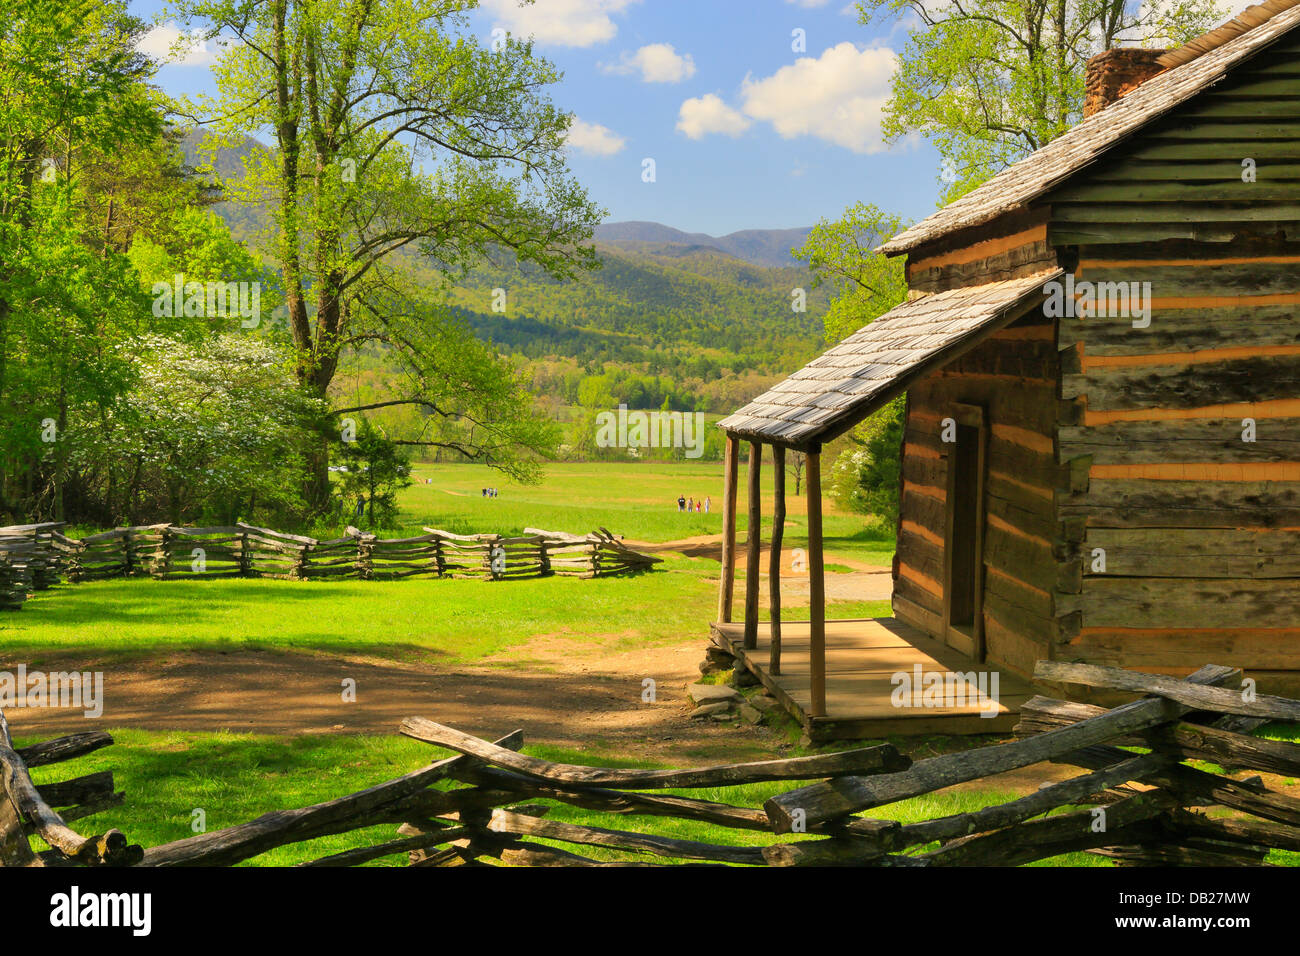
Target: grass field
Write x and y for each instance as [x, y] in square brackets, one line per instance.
[439, 621]
[436, 624]
[636, 500]
[450, 621]
[236, 777]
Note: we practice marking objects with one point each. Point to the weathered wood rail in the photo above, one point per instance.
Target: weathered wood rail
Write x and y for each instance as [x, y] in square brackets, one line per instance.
[33, 557]
[29, 561]
[27, 809]
[489, 804]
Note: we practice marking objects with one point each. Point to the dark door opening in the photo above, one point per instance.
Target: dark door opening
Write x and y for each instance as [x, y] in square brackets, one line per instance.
[964, 550]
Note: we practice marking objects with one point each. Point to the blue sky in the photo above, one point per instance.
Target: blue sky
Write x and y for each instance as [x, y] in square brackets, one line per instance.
[745, 131]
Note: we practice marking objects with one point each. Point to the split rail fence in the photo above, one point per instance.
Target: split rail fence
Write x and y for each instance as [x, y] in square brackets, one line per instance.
[33, 557]
[488, 805]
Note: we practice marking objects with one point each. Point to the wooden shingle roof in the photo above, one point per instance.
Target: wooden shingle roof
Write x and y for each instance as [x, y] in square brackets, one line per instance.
[1038, 172]
[849, 381]
[1248, 19]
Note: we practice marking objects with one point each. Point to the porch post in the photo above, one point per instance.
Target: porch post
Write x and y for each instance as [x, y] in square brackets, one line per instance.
[727, 586]
[774, 558]
[753, 541]
[816, 585]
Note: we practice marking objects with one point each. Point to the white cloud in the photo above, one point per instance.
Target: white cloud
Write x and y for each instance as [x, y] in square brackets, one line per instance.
[161, 44]
[706, 114]
[657, 63]
[594, 139]
[837, 97]
[578, 23]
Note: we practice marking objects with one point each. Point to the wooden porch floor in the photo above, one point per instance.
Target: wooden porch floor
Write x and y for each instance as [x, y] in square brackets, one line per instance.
[861, 657]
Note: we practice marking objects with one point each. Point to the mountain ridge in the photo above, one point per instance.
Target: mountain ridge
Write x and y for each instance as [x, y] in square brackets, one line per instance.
[762, 247]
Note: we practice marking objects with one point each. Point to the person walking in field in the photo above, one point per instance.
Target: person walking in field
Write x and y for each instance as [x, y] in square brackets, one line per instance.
[690, 504]
[681, 503]
[707, 501]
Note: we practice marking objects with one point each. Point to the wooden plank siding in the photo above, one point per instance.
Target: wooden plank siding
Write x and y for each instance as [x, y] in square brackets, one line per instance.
[1131, 439]
[1013, 377]
[1200, 528]
[1182, 178]
[1012, 246]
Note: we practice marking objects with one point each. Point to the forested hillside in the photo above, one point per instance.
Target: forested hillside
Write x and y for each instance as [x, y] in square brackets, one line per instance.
[660, 322]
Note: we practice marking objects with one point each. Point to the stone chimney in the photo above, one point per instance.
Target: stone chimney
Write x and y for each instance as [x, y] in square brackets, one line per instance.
[1112, 74]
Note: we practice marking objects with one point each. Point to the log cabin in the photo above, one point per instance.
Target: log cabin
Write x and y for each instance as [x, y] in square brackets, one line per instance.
[1100, 353]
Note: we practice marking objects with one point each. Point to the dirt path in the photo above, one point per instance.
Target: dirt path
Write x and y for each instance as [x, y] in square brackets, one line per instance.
[581, 701]
[710, 546]
[866, 582]
[557, 696]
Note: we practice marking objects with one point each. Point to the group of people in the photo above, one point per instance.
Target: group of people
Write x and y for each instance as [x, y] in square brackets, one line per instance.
[489, 492]
[691, 504]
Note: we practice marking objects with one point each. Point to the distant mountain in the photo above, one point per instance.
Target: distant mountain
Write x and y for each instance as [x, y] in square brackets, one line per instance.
[653, 301]
[761, 247]
[705, 311]
[227, 161]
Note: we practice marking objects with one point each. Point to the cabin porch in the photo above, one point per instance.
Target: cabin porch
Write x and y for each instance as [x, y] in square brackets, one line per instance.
[861, 657]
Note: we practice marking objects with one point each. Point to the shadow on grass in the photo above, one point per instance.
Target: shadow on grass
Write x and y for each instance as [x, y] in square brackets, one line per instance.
[141, 617]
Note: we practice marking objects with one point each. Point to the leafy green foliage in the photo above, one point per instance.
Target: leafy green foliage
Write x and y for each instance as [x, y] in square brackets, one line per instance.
[373, 469]
[863, 284]
[75, 102]
[865, 476]
[210, 430]
[397, 128]
[988, 81]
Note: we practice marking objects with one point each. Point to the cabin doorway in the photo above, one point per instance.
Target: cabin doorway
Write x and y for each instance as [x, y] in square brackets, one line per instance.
[963, 592]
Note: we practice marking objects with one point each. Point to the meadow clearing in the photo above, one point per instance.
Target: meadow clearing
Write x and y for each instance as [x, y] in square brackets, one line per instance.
[224, 695]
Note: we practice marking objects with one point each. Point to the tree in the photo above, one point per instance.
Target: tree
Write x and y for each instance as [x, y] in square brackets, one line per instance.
[865, 476]
[209, 429]
[988, 81]
[73, 97]
[795, 462]
[398, 132]
[375, 469]
[864, 285]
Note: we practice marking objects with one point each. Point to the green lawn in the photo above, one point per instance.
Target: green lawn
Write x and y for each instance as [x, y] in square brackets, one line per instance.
[236, 777]
[449, 620]
[441, 621]
[636, 500]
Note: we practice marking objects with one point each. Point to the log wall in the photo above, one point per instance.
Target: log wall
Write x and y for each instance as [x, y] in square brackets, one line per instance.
[1009, 247]
[1198, 525]
[1013, 376]
[1182, 178]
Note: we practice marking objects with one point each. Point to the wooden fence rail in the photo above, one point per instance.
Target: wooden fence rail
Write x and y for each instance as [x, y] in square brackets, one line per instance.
[488, 804]
[33, 557]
